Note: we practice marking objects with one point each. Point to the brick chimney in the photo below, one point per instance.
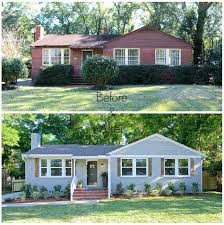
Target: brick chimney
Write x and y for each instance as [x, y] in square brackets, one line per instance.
[39, 33]
[105, 29]
[35, 140]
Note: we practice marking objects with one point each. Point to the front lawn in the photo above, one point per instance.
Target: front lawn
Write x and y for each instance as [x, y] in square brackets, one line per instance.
[139, 98]
[203, 209]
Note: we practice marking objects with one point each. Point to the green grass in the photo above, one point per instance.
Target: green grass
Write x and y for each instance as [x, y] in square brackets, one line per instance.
[203, 209]
[140, 98]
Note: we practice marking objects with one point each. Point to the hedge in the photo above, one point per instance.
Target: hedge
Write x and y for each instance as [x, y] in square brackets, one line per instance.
[54, 75]
[160, 74]
[12, 69]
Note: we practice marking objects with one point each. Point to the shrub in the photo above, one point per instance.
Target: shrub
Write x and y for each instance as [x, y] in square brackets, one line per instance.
[27, 188]
[148, 188]
[34, 188]
[132, 187]
[195, 187]
[54, 75]
[171, 187]
[8, 200]
[159, 188]
[57, 188]
[162, 74]
[99, 70]
[119, 189]
[67, 191]
[35, 194]
[56, 194]
[182, 187]
[12, 69]
[43, 192]
[129, 193]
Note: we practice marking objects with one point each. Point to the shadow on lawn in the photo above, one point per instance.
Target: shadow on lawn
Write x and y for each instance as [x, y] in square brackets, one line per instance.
[106, 210]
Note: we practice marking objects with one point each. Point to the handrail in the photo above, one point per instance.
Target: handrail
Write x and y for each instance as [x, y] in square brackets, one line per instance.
[72, 187]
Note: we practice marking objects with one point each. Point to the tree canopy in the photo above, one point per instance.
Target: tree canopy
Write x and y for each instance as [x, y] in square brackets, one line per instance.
[200, 131]
[197, 22]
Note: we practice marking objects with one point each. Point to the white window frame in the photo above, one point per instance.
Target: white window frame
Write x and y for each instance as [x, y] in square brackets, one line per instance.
[126, 55]
[49, 56]
[43, 167]
[168, 56]
[48, 175]
[177, 168]
[134, 167]
[66, 167]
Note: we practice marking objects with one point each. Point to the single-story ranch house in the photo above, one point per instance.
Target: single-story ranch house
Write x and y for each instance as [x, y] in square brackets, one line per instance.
[142, 46]
[152, 159]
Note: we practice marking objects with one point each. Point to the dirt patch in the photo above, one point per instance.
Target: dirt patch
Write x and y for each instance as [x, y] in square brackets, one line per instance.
[30, 200]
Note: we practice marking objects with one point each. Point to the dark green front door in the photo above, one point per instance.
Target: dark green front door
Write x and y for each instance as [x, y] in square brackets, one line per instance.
[91, 172]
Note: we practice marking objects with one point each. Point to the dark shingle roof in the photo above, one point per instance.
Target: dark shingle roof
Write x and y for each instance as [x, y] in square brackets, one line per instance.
[74, 40]
[74, 149]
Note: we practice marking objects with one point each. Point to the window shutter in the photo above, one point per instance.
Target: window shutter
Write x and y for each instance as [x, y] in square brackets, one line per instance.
[149, 167]
[118, 167]
[73, 167]
[162, 167]
[192, 167]
[36, 167]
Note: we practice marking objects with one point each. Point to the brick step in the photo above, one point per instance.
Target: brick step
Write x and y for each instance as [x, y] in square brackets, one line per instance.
[87, 195]
[89, 198]
[90, 190]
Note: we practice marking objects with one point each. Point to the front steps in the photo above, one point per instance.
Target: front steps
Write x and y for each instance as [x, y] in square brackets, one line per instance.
[89, 194]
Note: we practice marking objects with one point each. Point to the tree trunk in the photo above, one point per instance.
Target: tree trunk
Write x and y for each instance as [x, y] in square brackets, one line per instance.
[198, 36]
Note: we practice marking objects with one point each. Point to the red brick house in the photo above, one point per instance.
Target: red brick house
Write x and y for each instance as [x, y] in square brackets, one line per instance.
[142, 46]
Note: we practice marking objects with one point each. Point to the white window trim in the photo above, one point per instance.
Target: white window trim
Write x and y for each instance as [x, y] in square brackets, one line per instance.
[168, 56]
[134, 167]
[126, 55]
[49, 56]
[48, 175]
[177, 168]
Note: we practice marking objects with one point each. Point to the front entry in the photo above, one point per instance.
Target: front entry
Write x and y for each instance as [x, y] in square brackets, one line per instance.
[92, 173]
[86, 54]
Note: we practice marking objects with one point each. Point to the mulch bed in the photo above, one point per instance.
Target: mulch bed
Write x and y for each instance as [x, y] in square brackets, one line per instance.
[28, 200]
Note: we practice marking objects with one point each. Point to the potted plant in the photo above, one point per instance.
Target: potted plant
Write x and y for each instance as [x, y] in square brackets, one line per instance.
[80, 184]
[105, 180]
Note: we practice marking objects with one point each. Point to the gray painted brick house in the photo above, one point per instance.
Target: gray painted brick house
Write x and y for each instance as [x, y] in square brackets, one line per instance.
[152, 159]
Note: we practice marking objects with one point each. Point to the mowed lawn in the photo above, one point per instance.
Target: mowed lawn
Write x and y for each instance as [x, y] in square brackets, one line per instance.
[201, 209]
[139, 98]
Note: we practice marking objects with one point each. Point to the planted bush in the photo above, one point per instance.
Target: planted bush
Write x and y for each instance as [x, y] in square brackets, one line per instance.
[43, 192]
[67, 191]
[35, 194]
[132, 187]
[57, 191]
[119, 189]
[54, 75]
[12, 69]
[27, 189]
[148, 188]
[159, 188]
[182, 187]
[162, 74]
[99, 70]
[170, 188]
[195, 187]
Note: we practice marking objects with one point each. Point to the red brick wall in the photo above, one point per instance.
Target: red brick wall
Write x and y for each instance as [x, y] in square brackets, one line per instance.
[36, 62]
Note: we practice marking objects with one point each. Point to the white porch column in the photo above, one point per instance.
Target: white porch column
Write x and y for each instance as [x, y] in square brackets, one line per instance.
[109, 177]
[74, 160]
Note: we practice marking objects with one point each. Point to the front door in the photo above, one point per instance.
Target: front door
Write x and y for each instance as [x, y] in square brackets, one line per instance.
[91, 172]
[86, 54]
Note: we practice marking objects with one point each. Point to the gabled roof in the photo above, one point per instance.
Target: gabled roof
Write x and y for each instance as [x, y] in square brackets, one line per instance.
[156, 145]
[73, 149]
[74, 40]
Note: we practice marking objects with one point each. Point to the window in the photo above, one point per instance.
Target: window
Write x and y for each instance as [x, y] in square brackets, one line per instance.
[127, 167]
[170, 167]
[43, 166]
[126, 56]
[176, 167]
[167, 57]
[183, 167]
[161, 56]
[140, 167]
[56, 167]
[52, 56]
[68, 167]
[134, 167]
[120, 56]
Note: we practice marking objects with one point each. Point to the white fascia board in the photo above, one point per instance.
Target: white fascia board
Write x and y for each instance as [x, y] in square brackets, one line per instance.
[160, 136]
[91, 157]
[156, 156]
[47, 155]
